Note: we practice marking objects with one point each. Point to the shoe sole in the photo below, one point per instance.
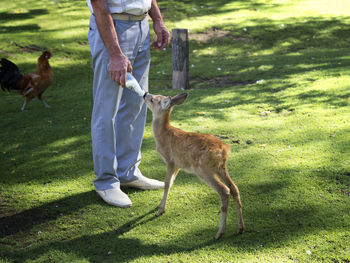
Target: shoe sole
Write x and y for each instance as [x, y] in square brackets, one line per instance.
[114, 204]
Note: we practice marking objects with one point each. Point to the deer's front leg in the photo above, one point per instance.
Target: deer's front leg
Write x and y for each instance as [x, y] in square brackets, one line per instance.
[171, 173]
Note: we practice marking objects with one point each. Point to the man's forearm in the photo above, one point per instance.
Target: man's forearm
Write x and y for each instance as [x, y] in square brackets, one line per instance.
[154, 12]
[105, 27]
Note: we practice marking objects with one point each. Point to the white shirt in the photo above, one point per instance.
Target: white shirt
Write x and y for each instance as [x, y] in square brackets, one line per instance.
[134, 7]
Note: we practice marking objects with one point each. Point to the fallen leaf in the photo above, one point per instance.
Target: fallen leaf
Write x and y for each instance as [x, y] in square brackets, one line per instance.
[265, 113]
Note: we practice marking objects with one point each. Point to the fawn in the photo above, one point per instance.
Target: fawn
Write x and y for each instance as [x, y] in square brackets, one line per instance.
[202, 154]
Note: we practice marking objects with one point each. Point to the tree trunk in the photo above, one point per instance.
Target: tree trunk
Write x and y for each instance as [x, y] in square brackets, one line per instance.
[180, 58]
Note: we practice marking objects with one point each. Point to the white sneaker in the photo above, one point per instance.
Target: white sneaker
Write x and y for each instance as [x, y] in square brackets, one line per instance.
[115, 197]
[144, 183]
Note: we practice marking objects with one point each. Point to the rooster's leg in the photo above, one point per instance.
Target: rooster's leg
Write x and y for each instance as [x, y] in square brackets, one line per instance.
[46, 105]
[27, 91]
[24, 105]
[44, 102]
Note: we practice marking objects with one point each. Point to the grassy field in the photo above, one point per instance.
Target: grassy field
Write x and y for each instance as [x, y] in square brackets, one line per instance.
[271, 78]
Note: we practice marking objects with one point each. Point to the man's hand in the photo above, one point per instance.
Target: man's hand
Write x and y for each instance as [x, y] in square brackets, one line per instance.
[118, 66]
[162, 35]
[159, 27]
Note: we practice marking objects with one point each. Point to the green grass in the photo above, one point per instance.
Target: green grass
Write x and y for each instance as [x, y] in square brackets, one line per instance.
[274, 84]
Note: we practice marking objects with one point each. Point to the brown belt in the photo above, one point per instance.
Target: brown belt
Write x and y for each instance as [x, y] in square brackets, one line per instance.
[128, 17]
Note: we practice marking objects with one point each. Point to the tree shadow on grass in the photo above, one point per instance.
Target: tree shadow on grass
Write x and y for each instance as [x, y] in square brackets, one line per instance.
[22, 15]
[107, 247]
[287, 223]
[27, 219]
[17, 29]
[179, 10]
[6, 17]
[306, 46]
[265, 227]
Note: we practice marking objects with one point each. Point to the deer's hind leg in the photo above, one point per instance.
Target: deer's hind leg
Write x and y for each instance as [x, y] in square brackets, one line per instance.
[224, 192]
[236, 196]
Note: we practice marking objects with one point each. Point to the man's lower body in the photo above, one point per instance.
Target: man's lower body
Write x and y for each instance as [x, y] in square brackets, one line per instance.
[119, 115]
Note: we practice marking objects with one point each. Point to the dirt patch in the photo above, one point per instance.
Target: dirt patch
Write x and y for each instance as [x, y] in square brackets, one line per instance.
[217, 34]
[226, 137]
[29, 48]
[8, 54]
[219, 81]
[344, 192]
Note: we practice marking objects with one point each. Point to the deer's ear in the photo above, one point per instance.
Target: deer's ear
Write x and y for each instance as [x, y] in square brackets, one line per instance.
[178, 99]
[165, 104]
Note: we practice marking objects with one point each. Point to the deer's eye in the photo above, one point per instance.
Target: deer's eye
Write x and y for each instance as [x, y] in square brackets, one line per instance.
[152, 100]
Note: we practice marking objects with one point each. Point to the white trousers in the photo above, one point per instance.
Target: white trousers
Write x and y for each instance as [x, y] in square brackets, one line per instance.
[119, 115]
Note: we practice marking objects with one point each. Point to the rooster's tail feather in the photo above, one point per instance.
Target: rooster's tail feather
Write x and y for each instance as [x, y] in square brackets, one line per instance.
[9, 74]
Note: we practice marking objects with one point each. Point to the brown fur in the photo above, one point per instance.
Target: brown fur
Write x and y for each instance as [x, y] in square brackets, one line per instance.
[202, 154]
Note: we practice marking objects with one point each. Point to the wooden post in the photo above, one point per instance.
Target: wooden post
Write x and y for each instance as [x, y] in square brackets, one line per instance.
[180, 60]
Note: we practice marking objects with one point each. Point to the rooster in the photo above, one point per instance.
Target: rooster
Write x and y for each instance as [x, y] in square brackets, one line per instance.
[30, 85]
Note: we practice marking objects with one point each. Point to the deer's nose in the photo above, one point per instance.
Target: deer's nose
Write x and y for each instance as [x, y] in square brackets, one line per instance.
[147, 96]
